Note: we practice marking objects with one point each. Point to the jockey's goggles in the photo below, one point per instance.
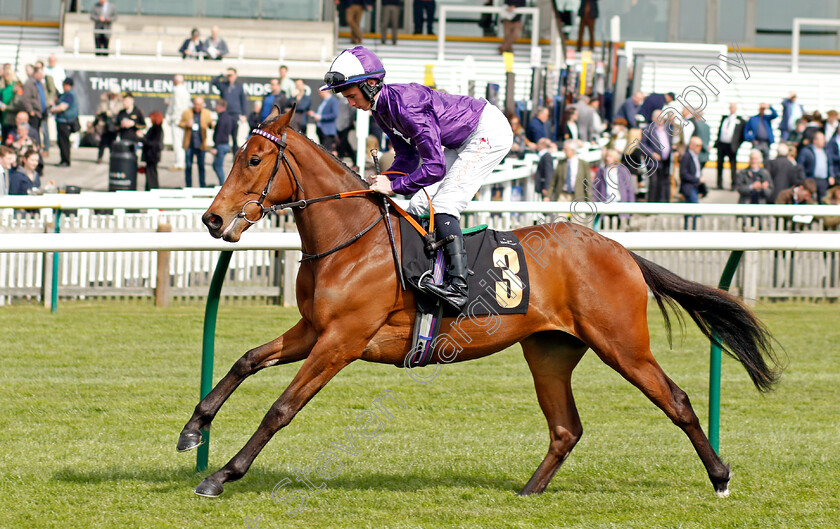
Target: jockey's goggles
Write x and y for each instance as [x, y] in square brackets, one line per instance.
[338, 79]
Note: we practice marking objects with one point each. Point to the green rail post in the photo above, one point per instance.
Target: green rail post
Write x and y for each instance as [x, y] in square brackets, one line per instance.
[54, 292]
[715, 360]
[207, 349]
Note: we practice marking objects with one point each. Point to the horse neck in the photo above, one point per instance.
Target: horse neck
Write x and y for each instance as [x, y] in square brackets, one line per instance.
[325, 225]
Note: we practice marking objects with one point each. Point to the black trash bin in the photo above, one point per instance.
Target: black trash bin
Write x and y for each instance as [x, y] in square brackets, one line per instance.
[122, 173]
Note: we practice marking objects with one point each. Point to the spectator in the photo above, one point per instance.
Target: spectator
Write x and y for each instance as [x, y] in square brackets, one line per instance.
[254, 117]
[304, 103]
[274, 97]
[34, 100]
[791, 112]
[753, 183]
[815, 164]
[784, 172]
[571, 131]
[221, 139]
[90, 137]
[520, 142]
[152, 149]
[110, 105]
[630, 108]
[8, 159]
[10, 97]
[569, 176]
[691, 176]
[831, 125]
[613, 181]
[512, 24]
[287, 85]
[130, 119]
[598, 125]
[701, 130]
[66, 112]
[619, 135]
[195, 121]
[797, 136]
[759, 130]
[23, 136]
[103, 14]
[584, 119]
[588, 13]
[657, 141]
[424, 10]
[178, 103]
[536, 129]
[729, 138]
[653, 102]
[52, 95]
[832, 148]
[25, 179]
[832, 198]
[54, 70]
[545, 167]
[344, 124]
[390, 19]
[801, 194]
[237, 104]
[353, 12]
[815, 124]
[215, 46]
[193, 48]
[325, 117]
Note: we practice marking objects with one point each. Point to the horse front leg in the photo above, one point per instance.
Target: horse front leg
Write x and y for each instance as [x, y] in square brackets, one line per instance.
[327, 358]
[295, 344]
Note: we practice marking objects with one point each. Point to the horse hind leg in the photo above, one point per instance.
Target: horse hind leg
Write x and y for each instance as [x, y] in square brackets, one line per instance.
[292, 346]
[552, 356]
[633, 359]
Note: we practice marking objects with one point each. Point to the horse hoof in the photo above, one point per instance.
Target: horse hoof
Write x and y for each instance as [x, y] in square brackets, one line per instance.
[189, 440]
[209, 489]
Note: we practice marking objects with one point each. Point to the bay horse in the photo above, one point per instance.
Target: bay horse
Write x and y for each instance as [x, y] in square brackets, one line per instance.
[592, 295]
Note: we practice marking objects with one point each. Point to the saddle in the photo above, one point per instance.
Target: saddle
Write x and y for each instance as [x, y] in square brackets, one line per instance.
[498, 282]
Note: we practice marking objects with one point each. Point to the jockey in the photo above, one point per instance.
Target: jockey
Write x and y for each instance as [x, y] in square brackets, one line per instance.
[445, 144]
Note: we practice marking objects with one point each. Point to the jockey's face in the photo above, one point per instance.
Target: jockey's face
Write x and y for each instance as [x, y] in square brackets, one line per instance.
[356, 99]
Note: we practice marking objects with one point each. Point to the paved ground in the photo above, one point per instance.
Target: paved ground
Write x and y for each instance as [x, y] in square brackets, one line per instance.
[90, 176]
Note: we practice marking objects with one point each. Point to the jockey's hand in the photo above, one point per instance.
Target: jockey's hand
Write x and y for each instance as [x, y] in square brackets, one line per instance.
[381, 184]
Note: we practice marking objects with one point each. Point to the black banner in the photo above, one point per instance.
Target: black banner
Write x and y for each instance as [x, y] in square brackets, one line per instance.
[151, 90]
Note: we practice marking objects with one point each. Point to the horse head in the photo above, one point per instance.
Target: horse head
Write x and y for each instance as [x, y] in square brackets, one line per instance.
[261, 176]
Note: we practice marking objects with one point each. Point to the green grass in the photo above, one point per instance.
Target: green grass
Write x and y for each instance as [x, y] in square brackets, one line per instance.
[93, 399]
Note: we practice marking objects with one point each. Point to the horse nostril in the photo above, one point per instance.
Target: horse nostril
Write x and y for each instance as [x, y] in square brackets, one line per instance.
[212, 221]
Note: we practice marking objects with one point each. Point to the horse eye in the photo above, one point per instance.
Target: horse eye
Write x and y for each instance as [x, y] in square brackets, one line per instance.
[254, 161]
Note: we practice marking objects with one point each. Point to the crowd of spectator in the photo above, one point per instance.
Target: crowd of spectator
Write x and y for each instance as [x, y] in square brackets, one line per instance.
[663, 147]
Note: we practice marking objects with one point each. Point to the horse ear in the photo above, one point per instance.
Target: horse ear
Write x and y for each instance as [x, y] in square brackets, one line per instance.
[283, 120]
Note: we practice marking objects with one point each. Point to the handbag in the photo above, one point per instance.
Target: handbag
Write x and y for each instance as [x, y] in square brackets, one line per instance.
[75, 125]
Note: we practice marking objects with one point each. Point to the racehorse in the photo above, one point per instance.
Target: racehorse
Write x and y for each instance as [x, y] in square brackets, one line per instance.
[587, 292]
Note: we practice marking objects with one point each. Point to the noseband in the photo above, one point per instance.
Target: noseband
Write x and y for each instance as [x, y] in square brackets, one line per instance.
[281, 155]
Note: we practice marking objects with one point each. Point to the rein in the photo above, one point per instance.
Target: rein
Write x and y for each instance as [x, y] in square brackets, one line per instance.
[303, 203]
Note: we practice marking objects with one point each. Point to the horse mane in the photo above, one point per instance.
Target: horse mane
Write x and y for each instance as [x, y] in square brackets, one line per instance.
[347, 169]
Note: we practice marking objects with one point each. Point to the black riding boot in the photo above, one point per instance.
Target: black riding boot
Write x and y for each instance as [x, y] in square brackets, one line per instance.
[454, 288]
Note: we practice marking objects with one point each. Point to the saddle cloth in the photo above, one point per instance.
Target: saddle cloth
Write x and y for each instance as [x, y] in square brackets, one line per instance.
[499, 283]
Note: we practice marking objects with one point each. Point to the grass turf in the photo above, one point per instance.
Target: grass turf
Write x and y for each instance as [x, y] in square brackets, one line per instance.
[93, 399]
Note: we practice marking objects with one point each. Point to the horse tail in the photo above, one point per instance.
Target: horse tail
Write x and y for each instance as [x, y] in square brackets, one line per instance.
[721, 317]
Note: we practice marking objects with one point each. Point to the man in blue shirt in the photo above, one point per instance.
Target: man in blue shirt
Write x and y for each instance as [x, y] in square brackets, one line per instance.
[66, 112]
[275, 96]
[814, 161]
[536, 129]
[759, 131]
[232, 92]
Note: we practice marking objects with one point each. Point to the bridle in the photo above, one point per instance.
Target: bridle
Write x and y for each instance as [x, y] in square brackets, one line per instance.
[281, 156]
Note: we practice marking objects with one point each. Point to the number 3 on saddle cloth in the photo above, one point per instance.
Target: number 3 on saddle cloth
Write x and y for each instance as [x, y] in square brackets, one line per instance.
[498, 283]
